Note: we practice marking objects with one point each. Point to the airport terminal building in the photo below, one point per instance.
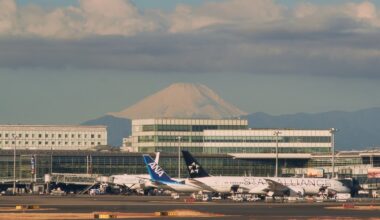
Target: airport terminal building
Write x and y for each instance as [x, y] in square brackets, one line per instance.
[213, 136]
[224, 147]
[32, 165]
[56, 137]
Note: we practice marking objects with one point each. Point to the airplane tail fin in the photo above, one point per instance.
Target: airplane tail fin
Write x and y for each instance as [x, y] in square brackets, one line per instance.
[157, 157]
[155, 171]
[193, 167]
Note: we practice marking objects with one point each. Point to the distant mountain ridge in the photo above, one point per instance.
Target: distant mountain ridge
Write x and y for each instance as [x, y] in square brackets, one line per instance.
[181, 100]
[357, 130]
[117, 128]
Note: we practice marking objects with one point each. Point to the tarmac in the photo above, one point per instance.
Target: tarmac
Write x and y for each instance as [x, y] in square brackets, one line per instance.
[130, 207]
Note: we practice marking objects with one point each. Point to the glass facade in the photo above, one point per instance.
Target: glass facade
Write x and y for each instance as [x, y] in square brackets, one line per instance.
[25, 171]
[268, 139]
[226, 150]
[131, 163]
[194, 128]
[167, 132]
[339, 161]
[223, 137]
[109, 163]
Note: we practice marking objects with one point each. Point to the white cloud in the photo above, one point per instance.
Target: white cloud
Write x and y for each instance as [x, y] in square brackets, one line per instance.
[122, 18]
[117, 17]
[239, 35]
[8, 9]
[235, 12]
[92, 17]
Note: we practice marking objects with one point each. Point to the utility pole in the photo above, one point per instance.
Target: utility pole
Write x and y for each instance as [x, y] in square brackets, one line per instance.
[179, 157]
[333, 131]
[276, 133]
[15, 137]
[51, 160]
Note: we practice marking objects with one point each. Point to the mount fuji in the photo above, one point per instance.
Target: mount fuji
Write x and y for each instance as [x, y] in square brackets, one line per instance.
[179, 100]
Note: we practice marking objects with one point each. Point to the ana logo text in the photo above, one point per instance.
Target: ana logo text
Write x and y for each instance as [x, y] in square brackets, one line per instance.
[157, 169]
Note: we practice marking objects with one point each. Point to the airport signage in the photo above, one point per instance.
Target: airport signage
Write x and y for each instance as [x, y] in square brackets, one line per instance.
[33, 164]
[373, 173]
[314, 172]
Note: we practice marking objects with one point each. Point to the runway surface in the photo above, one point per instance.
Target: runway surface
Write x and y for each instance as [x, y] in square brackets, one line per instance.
[151, 204]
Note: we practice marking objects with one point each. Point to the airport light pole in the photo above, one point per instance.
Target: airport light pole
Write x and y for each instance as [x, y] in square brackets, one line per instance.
[15, 137]
[333, 131]
[179, 157]
[276, 133]
[51, 160]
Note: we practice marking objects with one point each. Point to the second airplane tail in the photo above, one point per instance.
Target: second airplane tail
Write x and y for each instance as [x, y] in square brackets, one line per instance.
[193, 167]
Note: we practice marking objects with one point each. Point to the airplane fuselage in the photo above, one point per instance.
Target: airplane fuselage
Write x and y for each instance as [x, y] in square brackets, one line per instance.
[260, 185]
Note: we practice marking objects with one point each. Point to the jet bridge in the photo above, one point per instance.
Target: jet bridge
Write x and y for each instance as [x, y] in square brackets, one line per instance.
[71, 178]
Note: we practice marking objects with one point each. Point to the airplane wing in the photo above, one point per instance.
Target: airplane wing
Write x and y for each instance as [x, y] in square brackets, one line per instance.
[276, 187]
[201, 185]
[142, 178]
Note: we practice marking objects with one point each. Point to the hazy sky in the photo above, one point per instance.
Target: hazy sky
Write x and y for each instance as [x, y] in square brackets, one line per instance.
[70, 61]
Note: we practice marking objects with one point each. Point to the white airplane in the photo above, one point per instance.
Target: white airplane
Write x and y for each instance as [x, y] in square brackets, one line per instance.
[162, 180]
[266, 186]
[131, 181]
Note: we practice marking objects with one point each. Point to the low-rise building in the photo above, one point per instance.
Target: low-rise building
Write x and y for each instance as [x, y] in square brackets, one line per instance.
[55, 137]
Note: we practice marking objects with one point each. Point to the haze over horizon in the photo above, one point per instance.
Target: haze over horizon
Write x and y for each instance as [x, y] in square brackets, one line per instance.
[66, 62]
